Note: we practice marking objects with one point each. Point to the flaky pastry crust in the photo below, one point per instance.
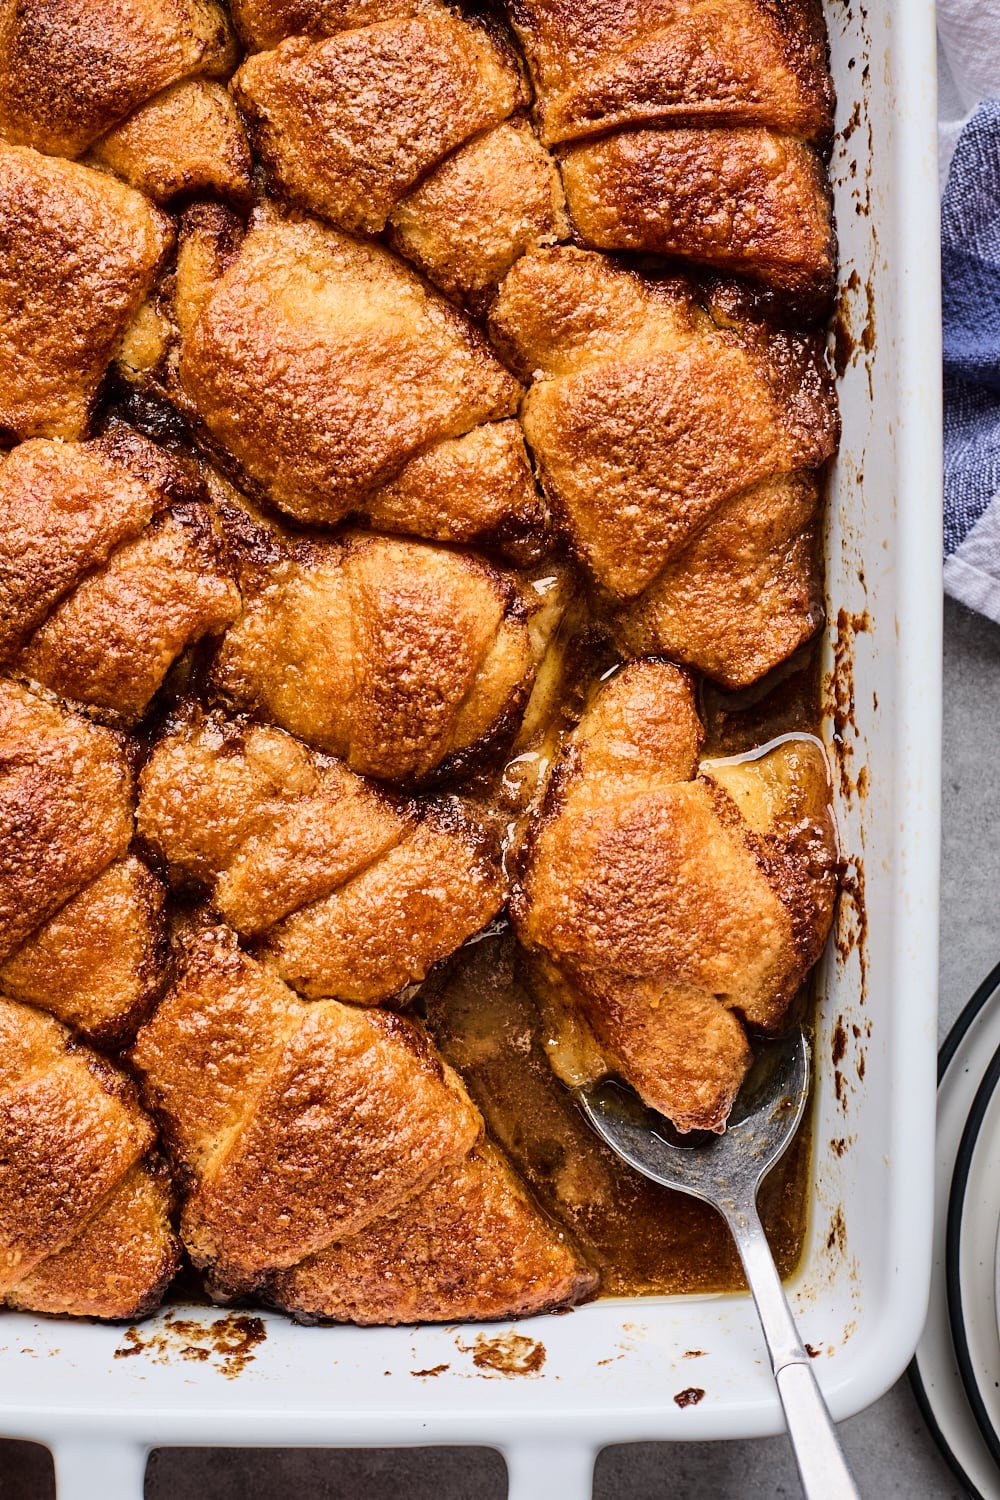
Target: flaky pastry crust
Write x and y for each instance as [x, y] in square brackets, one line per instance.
[673, 904]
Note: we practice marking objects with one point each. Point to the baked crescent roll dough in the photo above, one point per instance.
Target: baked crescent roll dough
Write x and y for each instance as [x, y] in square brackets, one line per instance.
[187, 139]
[322, 365]
[347, 125]
[599, 65]
[470, 1245]
[673, 905]
[110, 567]
[84, 1215]
[78, 253]
[679, 442]
[707, 116]
[322, 1142]
[351, 893]
[81, 920]
[263, 23]
[400, 658]
[70, 69]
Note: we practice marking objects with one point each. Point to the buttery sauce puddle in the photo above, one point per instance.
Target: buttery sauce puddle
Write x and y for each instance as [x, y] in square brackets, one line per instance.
[644, 1239]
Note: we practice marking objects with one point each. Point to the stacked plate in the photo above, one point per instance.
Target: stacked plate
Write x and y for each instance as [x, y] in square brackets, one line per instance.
[956, 1370]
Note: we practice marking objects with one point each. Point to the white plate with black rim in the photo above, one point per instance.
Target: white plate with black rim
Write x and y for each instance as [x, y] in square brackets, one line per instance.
[955, 1372]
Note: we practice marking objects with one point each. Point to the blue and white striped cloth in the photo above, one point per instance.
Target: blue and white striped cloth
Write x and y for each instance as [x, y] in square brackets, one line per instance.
[969, 130]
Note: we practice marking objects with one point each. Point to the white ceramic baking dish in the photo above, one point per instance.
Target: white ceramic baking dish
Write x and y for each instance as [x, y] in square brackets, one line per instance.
[611, 1370]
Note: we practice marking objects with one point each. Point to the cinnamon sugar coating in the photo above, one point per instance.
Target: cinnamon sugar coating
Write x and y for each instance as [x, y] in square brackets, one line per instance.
[214, 711]
[65, 808]
[656, 412]
[230, 1063]
[264, 23]
[81, 920]
[347, 125]
[599, 65]
[466, 222]
[470, 1245]
[744, 200]
[709, 117]
[99, 963]
[187, 139]
[109, 568]
[477, 490]
[353, 893]
[743, 594]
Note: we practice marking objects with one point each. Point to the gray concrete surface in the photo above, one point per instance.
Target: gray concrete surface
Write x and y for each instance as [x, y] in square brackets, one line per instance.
[891, 1452]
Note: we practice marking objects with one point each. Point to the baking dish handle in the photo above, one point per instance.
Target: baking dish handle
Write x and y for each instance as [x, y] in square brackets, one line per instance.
[104, 1467]
[540, 1470]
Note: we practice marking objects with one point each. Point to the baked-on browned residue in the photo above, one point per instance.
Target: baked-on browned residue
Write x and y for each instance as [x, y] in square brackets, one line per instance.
[689, 1397]
[839, 1042]
[231, 1341]
[506, 1354]
[851, 930]
[837, 1237]
[839, 694]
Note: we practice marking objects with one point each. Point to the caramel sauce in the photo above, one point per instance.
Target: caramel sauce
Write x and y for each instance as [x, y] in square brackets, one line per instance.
[644, 1239]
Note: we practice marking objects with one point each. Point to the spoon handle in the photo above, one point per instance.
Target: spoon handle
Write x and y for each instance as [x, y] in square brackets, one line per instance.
[820, 1458]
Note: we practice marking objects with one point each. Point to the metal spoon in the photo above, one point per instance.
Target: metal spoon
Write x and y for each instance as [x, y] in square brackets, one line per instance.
[727, 1171]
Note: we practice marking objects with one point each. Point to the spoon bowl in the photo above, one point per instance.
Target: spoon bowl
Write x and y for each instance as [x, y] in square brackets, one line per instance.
[716, 1168]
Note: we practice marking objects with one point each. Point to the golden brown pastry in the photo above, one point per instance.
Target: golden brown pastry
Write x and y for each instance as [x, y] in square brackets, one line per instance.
[477, 490]
[468, 220]
[299, 1126]
[84, 1209]
[322, 365]
[70, 69]
[99, 963]
[743, 594]
[673, 905]
[78, 253]
[400, 658]
[263, 23]
[109, 569]
[65, 809]
[653, 416]
[709, 115]
[347, 125]
[352, 893]
[81, 920]
[187, 139]
[296, 1123]
[471, 1245]
[606, 65]
[745, 201]
[274, 778]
